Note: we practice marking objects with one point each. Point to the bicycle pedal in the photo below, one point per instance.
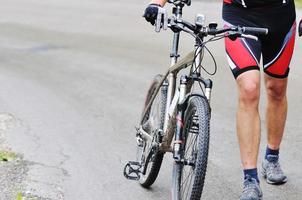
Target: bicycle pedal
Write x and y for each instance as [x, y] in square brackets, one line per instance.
[132, 170]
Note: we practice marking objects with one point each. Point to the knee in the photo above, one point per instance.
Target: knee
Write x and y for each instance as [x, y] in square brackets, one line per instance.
[249, 93]
[276, 92]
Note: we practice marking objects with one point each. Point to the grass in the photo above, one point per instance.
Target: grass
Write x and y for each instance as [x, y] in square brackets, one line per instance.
[298, 3]
[7, 156]
[19, 196]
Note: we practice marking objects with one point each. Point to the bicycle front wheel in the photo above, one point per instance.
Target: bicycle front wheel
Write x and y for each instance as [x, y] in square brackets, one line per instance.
[188, 177]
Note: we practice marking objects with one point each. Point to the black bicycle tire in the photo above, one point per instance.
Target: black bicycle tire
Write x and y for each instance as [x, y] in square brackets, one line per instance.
[202, 108]
[147, 180]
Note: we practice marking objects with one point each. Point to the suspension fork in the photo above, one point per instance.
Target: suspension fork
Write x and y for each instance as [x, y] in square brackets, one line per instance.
[179, 119]
[184, 96]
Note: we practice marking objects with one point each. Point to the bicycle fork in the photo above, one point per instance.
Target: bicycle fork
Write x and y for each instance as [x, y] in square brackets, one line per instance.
[184, 97]
[179, 120]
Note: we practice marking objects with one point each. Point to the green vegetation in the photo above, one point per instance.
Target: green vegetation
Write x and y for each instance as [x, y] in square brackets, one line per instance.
[26, 197]
[298, 3]
[7, 156]
[19, 196]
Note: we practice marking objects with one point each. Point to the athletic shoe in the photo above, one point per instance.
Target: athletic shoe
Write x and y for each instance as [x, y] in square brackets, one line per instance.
[251, 189]
[272, 172]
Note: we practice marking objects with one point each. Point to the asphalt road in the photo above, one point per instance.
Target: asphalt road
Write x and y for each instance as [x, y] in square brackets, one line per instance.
[73, 75]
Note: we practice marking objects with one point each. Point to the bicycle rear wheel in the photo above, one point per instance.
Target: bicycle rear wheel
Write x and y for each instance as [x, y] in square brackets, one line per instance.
[188, 179]
[153, 121]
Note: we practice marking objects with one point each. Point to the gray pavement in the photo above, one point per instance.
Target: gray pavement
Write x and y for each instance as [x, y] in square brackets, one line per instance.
[73, 75]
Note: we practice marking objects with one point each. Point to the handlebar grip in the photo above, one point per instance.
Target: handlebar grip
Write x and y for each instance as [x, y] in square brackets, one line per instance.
[254, 31]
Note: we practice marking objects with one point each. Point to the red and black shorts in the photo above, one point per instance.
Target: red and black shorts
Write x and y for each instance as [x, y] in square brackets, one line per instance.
[276, 48]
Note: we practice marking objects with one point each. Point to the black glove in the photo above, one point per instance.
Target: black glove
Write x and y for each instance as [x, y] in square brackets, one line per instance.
[151, 13]
[300, 28]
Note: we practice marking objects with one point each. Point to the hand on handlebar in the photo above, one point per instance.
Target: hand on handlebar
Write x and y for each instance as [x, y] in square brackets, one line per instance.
[157, 16]
[151, 13]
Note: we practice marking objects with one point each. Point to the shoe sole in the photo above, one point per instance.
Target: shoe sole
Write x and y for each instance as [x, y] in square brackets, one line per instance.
[263, 173]
[261, 197]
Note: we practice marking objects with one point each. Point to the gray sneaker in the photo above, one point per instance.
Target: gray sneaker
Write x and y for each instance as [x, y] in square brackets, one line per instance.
[251, 189]
[272, 172]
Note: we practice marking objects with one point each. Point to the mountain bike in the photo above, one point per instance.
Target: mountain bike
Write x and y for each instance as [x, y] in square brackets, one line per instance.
[176, 117]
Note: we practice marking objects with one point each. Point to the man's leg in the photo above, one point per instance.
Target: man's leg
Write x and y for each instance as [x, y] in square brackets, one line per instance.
[248, 131]
[248, 120]
[276, 110]
[276, 113]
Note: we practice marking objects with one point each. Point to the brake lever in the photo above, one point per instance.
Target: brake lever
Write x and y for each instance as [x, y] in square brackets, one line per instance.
[161, 20]
[233, 36]
[249, 37]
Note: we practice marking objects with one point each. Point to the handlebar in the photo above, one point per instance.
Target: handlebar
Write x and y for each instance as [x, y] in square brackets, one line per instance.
[255, 31]
[239, 30]
[211, 29]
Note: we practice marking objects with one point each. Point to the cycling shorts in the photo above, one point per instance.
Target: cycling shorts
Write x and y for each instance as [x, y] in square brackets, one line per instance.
[276, 48]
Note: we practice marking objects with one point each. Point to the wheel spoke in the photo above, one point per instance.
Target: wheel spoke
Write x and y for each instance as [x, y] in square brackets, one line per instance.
[189, 154]
[191, 177]
[193, 140]
[186, 183]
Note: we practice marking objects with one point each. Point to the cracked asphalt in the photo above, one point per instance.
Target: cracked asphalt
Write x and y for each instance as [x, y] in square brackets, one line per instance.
[73, 75]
